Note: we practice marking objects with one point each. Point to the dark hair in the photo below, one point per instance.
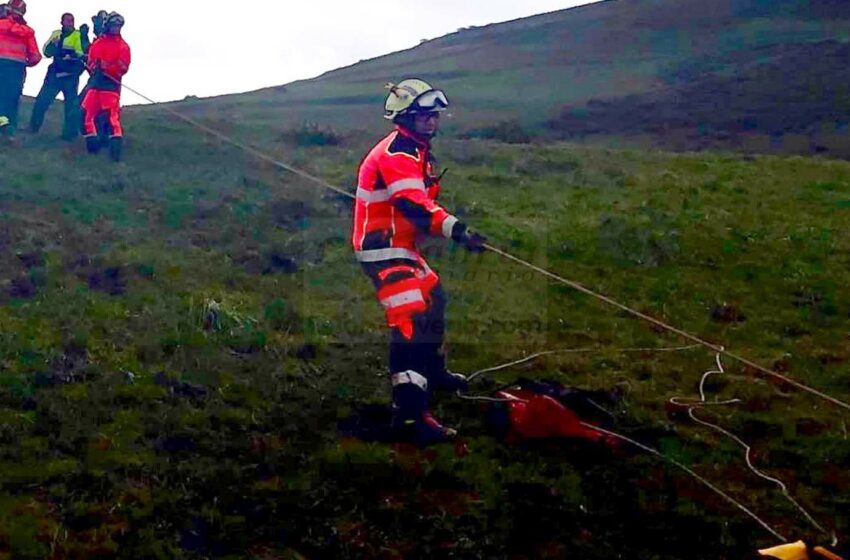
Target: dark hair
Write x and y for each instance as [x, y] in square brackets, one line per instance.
[66, 14]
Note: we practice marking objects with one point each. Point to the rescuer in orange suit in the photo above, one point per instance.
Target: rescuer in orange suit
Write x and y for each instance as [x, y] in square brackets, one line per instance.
[18, 50]
[109, 60]
[395, 206]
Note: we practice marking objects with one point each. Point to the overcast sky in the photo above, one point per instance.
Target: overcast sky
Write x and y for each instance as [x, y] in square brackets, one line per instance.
[213, 47]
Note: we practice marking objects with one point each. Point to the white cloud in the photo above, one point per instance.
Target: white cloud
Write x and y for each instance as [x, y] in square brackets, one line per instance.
[215, 47]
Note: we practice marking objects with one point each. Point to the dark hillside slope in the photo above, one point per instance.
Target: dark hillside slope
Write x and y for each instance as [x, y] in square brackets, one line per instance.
[762, 105]
[681, 73]
[181, 334]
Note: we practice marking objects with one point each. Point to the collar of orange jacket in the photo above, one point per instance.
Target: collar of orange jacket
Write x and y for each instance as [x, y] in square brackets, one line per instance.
[404, 131]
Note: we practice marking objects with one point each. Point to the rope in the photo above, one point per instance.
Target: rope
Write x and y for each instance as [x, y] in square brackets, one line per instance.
[661, 324]
[621, 437]
[463, 397]
[242, 146]
[692, 406]
[748, 456]
[658, 454]
[533, 357]
[575, 285]
[691, 472]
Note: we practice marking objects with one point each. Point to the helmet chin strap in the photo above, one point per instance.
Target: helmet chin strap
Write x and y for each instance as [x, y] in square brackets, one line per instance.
[407, 122]
[424, 137]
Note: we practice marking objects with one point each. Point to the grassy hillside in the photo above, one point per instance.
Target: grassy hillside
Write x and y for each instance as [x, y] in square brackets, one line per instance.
[683, 74]
[181, 334]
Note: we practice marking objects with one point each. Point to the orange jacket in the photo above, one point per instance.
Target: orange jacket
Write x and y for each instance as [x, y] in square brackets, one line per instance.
[396, 200]
[17, 42]
[109, 60]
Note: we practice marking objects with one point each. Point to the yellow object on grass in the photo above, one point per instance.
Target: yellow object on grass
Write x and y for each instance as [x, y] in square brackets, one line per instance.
[794, 551]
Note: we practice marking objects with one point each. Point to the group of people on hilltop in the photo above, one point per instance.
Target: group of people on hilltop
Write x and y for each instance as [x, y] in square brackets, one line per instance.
[96, 111]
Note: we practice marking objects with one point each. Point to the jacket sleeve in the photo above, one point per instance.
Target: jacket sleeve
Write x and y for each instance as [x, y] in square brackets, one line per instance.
[33, 53]
[94, 57]
[51, 48]
[406, 185]
[85, 42]
[124, 60]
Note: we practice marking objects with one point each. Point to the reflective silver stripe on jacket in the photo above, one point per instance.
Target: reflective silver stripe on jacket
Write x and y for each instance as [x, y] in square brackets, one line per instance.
[16, 52]
[406, 184]
[373, 196]
[379, 255]
[410, 376]
[404, 298]
[448, 226]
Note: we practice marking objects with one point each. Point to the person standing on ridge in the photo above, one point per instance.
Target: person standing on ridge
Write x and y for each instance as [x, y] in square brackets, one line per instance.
[108, 62]
[394, 208]
[101, 121]
[18, 50]
[68, 47]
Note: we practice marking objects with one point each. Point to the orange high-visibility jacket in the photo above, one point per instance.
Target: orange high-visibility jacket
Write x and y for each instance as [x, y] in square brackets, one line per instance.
[109, 54]
[396, 200]
[17, 42]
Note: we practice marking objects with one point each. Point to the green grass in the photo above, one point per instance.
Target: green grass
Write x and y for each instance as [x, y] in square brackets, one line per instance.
[133, 423]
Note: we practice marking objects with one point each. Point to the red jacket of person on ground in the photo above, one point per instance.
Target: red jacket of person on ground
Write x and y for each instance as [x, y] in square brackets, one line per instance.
[17, 42]
[109, 60]
[535, 416]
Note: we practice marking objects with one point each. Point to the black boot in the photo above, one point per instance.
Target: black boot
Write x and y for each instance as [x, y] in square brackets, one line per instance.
[93, 144]
[441, 378]
[423, 430]
[412, 421]
[448, 381]
[115, 148]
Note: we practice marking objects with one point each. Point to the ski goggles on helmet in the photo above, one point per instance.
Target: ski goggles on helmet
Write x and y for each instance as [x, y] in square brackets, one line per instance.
[431, 100]
[114, 20]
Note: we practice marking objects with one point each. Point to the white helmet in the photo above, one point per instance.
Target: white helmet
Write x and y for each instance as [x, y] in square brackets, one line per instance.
[413, 96]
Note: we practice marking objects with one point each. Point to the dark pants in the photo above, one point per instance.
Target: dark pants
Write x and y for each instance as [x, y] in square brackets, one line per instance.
[416, 335]
[422, 353]
[12, 75]
[53, 84]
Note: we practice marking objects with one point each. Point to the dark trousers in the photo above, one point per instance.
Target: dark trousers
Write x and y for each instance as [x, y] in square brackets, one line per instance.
[422, 353]
[53, 84]
[12, 75]
[416, 344]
